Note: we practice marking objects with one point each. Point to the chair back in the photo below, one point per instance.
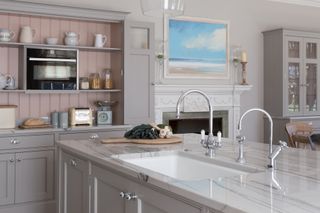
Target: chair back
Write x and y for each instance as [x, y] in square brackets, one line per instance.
[298, 132]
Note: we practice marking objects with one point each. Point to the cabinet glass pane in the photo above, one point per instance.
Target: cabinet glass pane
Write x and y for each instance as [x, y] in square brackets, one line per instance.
[311, 50]
[294, 49]
[139, 38]
[311, 85]
[293, 87]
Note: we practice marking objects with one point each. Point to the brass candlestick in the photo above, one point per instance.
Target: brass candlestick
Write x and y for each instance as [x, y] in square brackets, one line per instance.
[244, 73]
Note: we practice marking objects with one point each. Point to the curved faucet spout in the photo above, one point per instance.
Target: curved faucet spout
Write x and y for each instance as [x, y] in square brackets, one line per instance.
[270, 122]
[208, 101]
[210, 144]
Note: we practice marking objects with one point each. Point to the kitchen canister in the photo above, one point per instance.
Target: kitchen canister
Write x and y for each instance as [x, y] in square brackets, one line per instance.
[26, 34]
[55, 119]
[8, 116]
[63, 120]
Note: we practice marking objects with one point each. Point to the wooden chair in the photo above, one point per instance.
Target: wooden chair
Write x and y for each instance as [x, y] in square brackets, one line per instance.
[300, 133]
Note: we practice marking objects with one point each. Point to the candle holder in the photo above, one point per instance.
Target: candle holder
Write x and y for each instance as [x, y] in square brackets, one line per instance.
[244, 73]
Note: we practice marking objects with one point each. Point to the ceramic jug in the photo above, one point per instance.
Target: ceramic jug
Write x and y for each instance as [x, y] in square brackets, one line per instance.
[6, 35]
[100, 40]
[27, 34]
[71, 38]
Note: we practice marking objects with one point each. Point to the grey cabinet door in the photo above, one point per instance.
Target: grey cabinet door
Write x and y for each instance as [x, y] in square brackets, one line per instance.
[34, 177]
[107, 187]
[153, 201]
[106, 193]
[139, 73]
[74, 191]
[7, 162]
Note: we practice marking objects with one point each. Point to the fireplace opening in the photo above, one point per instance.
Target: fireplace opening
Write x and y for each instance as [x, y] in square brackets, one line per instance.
[195, 125]
[193, 122]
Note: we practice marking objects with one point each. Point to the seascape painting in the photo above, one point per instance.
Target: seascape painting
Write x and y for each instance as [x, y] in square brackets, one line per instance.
[197, 49]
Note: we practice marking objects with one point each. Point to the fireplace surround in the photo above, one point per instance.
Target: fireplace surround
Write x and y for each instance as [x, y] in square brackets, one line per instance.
[224, 98]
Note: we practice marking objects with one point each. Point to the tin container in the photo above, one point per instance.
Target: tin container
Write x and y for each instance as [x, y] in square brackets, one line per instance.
[8, 116]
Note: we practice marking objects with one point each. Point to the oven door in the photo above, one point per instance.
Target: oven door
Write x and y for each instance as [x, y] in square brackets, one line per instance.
[51, 74]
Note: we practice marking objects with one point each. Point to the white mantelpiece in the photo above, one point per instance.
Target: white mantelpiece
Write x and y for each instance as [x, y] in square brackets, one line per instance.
[223, 97]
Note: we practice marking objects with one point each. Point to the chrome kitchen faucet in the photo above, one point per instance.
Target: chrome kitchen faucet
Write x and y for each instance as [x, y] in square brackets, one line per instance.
[210, 143]
[272, 154]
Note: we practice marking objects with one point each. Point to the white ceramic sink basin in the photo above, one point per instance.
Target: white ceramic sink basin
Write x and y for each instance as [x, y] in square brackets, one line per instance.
[184, 166]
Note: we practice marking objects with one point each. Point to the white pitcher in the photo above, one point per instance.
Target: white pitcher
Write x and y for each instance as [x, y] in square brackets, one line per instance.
[27, 34]
[100, 40]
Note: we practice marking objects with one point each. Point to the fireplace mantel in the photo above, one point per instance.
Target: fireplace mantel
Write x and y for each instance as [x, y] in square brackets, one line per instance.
[223, 97]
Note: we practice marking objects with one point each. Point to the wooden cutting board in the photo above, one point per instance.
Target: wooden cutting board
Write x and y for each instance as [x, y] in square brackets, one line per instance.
[171, 140]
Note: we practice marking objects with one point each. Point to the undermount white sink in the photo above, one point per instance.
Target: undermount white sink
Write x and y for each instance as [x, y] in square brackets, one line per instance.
[184, 166]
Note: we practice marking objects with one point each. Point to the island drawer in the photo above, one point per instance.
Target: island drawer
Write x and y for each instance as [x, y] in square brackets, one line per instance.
[35, 141]
[92, 135]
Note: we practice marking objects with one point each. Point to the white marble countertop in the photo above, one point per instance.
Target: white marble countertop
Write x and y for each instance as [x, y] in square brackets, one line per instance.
[297, 173]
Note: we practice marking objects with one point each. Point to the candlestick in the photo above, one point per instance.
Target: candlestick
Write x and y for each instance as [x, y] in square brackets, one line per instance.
[244, 73]
[244, 57]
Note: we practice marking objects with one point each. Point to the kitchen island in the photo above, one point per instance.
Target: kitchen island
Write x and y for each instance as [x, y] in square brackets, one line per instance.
[293, 187]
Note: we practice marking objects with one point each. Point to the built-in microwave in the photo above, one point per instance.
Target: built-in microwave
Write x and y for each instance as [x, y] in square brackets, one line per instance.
[51, 68]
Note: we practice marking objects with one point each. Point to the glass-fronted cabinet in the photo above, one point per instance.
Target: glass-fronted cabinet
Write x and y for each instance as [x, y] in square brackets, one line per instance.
[291, 78]
[301, 57]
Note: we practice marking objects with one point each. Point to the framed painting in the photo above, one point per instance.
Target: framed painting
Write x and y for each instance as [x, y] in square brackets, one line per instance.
[196, 48]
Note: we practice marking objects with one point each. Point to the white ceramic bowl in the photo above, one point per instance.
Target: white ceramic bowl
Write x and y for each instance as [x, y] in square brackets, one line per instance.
[52, 40]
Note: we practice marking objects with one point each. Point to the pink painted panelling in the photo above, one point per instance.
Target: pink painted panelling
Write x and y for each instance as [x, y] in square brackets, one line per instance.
[38, 105]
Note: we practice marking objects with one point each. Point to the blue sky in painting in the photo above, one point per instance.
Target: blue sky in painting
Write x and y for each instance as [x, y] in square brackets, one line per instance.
[198, 41]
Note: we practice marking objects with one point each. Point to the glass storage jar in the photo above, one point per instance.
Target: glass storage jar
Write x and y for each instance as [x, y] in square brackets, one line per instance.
[108, 80]
[84, 83]
[95, 81]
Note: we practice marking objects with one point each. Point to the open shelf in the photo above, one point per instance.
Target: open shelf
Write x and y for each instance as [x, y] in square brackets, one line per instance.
[59, 91]
[100, 90]
[17, 44]
[12, 91]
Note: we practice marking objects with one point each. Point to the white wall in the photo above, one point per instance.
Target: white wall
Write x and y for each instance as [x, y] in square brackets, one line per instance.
[248, 18]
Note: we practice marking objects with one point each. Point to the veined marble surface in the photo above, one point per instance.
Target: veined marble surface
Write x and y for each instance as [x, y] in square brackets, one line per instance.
[294, 186]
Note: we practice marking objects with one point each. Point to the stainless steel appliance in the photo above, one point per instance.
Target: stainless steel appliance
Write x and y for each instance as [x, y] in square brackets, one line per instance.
[51, 68]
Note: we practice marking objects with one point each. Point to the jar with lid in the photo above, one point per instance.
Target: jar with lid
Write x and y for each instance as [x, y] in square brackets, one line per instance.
[108, 84]
[95, 81]
[84, 83]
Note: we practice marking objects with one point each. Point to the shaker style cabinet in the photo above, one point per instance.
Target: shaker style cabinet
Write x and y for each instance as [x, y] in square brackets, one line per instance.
[27, 173]
[114, 193]
[105, 191]
[74, 184]
[34, 176]
[139, 73]
[291, 73]
[291, 78]
[7, 162]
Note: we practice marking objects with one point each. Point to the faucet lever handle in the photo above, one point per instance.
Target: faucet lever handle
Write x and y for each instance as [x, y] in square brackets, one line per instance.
[283, 144]
[240, 138]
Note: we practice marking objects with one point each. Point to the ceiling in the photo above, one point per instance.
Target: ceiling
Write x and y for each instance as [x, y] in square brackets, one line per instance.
[313, 3]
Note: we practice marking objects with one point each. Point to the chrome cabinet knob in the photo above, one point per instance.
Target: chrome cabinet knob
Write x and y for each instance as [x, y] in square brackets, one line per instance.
[11, 160]
[94, 136]
[122, 194]
[14, 141]
[131, 196]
